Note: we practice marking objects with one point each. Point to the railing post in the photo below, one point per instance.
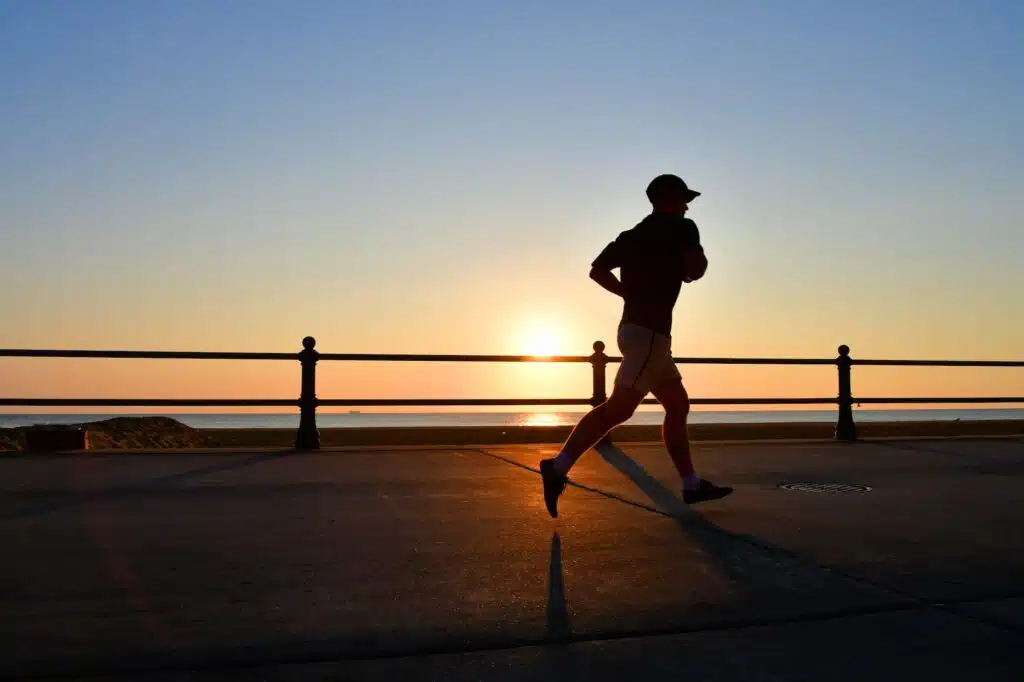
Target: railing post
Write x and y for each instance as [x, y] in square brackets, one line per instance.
[598, 362]
[308, 438]
[846, 430]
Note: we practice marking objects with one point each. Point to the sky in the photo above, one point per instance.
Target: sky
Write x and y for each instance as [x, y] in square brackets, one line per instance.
[437, 177]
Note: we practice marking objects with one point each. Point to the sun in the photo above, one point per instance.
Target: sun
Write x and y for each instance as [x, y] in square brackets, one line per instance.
[542, 343]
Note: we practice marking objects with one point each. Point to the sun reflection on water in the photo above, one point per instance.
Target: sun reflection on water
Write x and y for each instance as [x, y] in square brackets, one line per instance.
[544, 419]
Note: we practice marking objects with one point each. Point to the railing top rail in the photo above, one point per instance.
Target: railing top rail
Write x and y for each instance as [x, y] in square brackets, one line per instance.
[750, 361]
[430, 357]
[407, 357]
[144, 354]
[368, 402]
[938, 363]
[411, 402]
[968, 400]
[381, 357]
[467, 402]
[150, 402]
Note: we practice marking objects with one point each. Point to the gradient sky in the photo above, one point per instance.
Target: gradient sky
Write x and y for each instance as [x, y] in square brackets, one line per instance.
[437, 176]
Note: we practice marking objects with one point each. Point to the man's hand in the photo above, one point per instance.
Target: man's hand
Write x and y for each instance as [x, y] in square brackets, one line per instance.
[607, 280]
[695, 263]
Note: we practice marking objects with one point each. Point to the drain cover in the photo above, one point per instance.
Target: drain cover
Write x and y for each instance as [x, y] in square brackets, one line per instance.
[825, 487]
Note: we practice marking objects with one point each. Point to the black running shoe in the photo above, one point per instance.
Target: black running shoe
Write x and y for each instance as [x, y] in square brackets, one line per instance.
[554, 484]
[705, 491]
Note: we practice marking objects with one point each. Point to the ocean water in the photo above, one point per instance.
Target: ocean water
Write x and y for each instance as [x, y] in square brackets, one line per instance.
[354, 420]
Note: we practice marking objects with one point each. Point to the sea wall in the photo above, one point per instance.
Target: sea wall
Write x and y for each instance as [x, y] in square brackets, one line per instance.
[158, 433]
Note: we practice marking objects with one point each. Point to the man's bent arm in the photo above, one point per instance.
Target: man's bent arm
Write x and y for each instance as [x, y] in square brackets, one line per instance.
[607, 279]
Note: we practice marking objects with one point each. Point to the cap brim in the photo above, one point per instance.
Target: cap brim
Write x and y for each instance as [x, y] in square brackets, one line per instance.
[691, 195]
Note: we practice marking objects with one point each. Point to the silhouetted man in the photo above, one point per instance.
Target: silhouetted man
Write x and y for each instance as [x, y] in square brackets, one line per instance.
[654, 259]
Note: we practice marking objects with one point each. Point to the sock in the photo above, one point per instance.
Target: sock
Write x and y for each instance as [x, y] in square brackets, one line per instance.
[563, 463]
[691, 482]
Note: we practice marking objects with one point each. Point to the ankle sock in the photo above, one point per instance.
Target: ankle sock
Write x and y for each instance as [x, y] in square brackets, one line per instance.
[691, 482]
[563, 463]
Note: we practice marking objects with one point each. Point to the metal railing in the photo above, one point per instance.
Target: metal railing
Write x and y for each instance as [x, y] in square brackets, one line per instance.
[308, 437]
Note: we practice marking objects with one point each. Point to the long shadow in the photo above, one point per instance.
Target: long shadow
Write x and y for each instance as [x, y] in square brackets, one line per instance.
[76, 499]
[740, 556]
[572, 483]
[979, 463]
[743, 558]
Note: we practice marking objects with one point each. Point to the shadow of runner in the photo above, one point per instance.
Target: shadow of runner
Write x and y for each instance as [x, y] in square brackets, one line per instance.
[661, 496]
[76, 500]
[973, 461]
[750, 562]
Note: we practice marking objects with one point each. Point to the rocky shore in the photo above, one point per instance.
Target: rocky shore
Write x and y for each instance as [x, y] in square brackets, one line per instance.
[122, 433]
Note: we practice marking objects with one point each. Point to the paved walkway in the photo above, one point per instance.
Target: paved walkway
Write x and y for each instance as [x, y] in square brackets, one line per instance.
[442, 564]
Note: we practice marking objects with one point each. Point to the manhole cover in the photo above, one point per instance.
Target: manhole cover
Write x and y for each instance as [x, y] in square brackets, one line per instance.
[825, 487]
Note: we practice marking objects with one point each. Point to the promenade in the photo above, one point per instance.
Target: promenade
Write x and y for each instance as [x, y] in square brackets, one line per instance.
[441, 563]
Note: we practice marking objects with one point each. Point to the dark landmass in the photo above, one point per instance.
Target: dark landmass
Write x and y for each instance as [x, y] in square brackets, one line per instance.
[122, 433]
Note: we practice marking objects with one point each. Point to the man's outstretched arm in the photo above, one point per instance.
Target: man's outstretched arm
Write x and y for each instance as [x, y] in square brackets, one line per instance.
[607, 279]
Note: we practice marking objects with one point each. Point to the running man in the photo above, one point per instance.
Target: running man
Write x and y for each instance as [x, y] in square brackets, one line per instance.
[654, 259]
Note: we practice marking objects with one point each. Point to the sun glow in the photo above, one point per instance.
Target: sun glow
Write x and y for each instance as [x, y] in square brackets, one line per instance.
[542, 343]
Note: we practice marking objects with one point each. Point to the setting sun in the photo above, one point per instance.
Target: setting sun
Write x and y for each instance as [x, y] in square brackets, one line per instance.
[542, 343]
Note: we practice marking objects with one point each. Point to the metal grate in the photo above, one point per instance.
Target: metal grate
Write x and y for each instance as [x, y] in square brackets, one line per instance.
[825, 487]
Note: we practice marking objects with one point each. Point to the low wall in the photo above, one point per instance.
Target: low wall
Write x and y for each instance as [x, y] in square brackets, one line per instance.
[491, 435]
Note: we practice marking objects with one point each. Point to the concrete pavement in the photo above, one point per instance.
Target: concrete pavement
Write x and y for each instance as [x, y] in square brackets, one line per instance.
[441, 563]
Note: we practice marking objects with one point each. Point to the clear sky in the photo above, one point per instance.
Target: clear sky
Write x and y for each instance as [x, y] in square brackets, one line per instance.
[437, 176]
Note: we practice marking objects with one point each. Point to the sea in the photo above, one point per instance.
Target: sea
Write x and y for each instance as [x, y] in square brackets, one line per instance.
[359, 419]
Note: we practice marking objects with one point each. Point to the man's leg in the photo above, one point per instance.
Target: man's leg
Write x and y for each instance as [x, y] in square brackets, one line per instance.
[673, 397]
[595, 424]
[590, 429]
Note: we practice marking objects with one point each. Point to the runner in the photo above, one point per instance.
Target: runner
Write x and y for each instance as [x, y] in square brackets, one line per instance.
[654, 259]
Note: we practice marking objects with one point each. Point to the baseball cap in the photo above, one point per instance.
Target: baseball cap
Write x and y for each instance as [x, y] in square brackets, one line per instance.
[667, 186]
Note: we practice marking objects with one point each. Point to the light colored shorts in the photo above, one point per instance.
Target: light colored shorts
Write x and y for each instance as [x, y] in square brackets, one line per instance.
[646, 359]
